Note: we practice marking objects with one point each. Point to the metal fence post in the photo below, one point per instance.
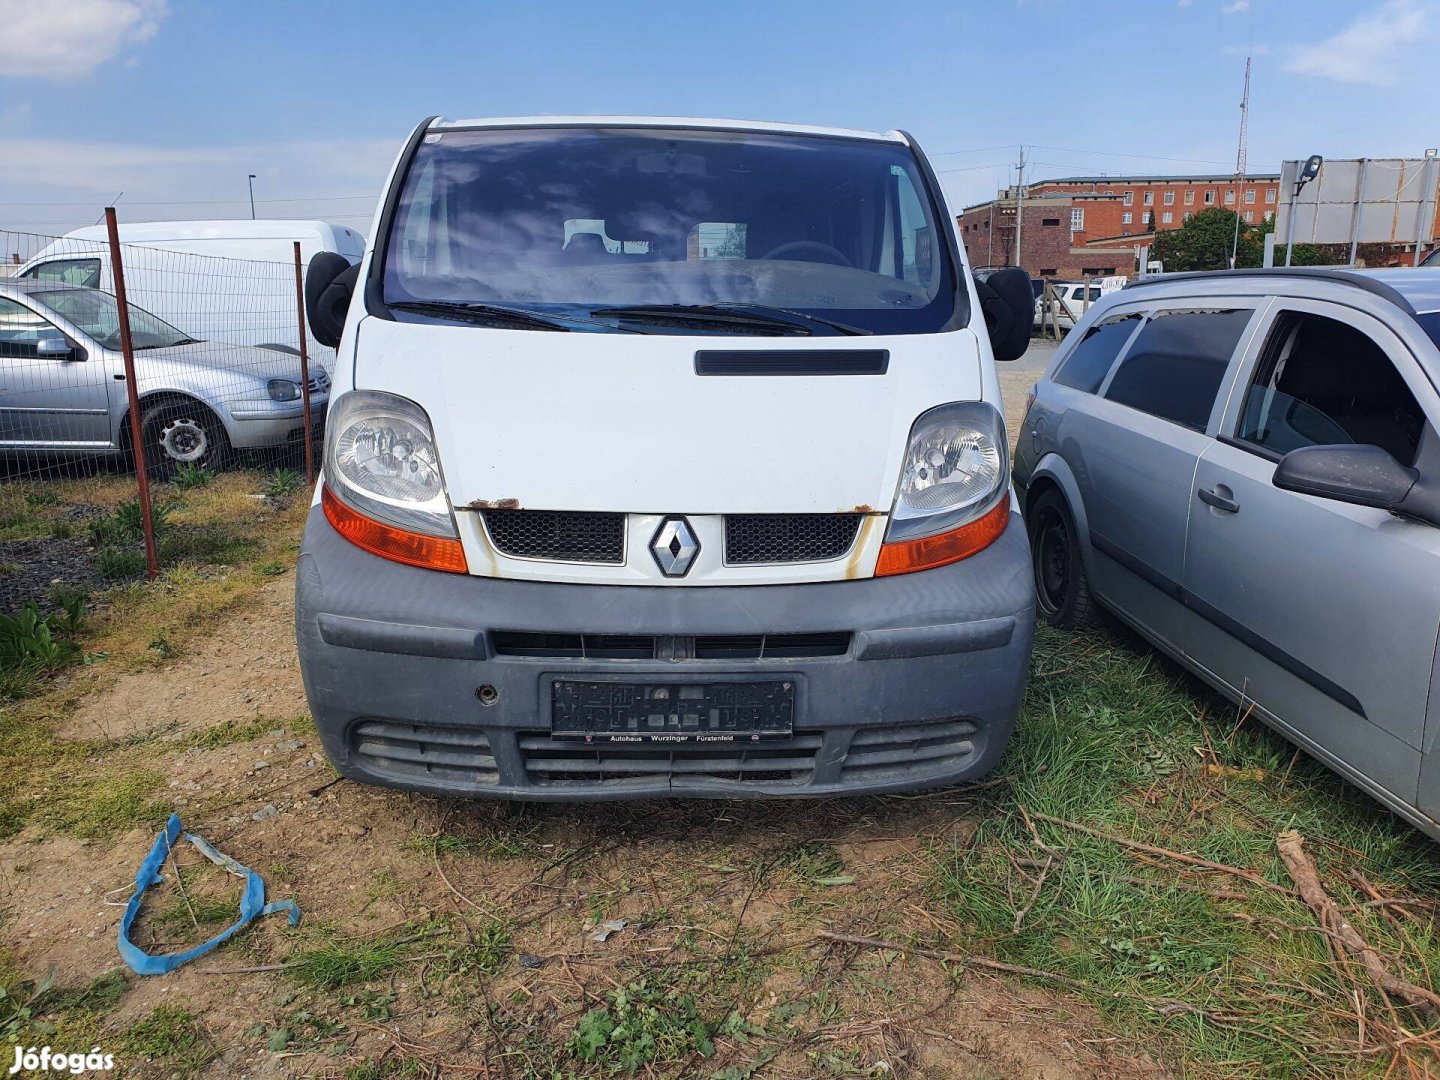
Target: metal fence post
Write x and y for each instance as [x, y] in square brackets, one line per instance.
[132, 394]
[304, 369]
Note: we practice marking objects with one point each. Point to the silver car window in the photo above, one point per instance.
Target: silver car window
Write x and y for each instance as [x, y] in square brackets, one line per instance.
[1321, 381]
[1178, 361]
[1090, 361]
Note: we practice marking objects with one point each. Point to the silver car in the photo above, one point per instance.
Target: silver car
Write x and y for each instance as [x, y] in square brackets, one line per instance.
[1245, 467]
[62, 383]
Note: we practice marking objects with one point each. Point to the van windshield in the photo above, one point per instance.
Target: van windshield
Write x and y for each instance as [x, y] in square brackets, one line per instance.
[97, 314]
[585, 225]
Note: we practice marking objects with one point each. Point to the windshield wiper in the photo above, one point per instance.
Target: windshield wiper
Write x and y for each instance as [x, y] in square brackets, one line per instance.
[733, 314]
[521, 318]
[518, 317]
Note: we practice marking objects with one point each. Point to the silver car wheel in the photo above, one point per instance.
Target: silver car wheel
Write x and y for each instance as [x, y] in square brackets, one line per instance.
[184, 440]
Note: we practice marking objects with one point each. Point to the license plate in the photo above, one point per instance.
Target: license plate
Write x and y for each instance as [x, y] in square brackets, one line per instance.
[666, 712]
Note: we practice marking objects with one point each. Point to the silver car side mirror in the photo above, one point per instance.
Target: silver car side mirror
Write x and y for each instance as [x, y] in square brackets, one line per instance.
[55, 347]
[1359, 474]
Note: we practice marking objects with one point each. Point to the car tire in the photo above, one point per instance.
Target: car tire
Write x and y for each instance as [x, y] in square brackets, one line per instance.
[179, 431]
[1062, 591]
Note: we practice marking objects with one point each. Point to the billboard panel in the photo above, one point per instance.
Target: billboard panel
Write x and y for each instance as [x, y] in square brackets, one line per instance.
[1362, 201]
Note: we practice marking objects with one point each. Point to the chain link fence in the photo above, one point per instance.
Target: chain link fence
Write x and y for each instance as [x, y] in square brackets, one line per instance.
[131, 367]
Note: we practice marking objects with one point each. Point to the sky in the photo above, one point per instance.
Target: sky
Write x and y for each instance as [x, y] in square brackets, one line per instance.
[168, 105]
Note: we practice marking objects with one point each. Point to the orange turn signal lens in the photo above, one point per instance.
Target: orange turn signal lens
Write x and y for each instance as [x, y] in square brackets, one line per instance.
[414, 549]
[907, 556]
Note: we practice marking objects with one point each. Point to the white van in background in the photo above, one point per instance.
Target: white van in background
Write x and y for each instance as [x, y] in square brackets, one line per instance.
[227, 282]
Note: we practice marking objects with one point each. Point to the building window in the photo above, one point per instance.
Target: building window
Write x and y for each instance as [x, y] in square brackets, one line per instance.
[1249, 215]
[1187, 215]
[1189, 196]
[1129, 198]
[1126, 218]
[1050, 221]
[1077, 220]
[1230, 197]
[1270, 195]
[1167, 217]
[1209, 198]
[1169, 198]
[1250, 195]
[1048, 271]
[1149, 198]
[1269, 215]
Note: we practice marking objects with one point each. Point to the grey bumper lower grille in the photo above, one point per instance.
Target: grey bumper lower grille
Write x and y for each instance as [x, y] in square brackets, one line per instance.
[878, 752]
[451, 755]
[559, 762]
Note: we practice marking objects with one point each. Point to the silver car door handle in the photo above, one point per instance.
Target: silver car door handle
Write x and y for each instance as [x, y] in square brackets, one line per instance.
[1220, 502]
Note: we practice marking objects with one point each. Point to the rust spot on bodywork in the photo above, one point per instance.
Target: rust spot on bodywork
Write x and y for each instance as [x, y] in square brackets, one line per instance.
[861, 509]
[868, 524]
[493, 504]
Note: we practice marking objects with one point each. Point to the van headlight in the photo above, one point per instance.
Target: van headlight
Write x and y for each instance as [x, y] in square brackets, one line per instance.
[380, 457]
[956, 463]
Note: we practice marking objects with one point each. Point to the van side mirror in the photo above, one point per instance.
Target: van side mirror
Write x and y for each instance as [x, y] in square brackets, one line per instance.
[55, 347]
[1361, 475]
[329, 284]
[1008, 303]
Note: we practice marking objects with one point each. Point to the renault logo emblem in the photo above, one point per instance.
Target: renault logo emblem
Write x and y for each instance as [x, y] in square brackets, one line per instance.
[675, 547]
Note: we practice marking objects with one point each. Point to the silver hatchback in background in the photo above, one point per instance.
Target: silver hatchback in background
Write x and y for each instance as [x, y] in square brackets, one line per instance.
[1245, 467]
[62, 388]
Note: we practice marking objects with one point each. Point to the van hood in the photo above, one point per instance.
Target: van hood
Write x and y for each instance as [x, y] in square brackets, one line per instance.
[622, 422]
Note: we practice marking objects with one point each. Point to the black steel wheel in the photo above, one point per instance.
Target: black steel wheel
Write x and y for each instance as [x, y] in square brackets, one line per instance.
[1062, 591]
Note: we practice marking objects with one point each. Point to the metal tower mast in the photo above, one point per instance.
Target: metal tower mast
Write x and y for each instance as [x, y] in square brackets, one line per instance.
[1241, 152]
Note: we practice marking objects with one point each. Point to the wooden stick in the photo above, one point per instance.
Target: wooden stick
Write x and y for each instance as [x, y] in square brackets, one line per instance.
[1306, 876]
[1150, 849]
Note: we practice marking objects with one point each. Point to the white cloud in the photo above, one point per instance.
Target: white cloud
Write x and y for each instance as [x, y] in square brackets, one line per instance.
[1372, 49]
[68, 39]
[1235, 7]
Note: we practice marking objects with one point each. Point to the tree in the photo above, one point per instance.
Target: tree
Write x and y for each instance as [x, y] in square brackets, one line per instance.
[1205, 241]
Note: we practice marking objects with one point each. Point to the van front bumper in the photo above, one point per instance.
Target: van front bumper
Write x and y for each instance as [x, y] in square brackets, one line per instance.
[924, 694]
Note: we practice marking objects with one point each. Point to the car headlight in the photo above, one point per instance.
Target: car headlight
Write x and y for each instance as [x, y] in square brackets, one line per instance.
[380, 457]
[283, 390]
[956, 464]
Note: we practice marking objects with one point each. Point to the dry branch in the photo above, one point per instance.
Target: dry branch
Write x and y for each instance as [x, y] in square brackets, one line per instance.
[1150, 849]
[1307, 879]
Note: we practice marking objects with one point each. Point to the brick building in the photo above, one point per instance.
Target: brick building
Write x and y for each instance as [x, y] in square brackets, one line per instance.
[1079, 225]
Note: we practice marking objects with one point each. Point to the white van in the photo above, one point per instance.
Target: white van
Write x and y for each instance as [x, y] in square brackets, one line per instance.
[228, 282]
[665, 457]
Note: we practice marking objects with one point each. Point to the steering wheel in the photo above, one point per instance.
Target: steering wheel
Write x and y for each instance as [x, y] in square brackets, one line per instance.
[807, 250]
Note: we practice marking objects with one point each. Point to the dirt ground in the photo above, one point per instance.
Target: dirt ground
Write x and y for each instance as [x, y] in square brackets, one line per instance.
[349, 855]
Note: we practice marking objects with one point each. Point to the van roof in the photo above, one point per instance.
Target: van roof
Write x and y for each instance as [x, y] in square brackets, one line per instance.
[217, 229]
[699, 123]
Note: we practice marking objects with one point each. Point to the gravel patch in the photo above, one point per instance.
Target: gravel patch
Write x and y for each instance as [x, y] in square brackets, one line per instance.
[28, 569]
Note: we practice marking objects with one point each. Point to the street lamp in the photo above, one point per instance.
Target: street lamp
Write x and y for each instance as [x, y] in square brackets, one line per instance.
[1307, 172]
[250, 182]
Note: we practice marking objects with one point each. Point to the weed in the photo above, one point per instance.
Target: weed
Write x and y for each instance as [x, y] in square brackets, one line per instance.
[109, 803]
[388, 1069]
[125, 525]
[33, 645]
[188, 477]
[115, 564]
[485, 953]
[282, 482]
[336, 964]
[272, 569]
[172, 1036]
[643, 1023]
[162, 645]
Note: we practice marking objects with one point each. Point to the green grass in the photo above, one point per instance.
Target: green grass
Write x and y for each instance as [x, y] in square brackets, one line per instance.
[170, 1036]
[335, 963]
[1111, 740]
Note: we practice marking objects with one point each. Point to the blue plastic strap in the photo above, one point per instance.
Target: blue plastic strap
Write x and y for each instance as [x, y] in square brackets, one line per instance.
[252, 902]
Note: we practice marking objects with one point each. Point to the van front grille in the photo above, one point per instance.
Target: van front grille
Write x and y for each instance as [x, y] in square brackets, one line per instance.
[670, 647]
[559, 762]
[788, 538]
[558, 535]
[459, 757]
